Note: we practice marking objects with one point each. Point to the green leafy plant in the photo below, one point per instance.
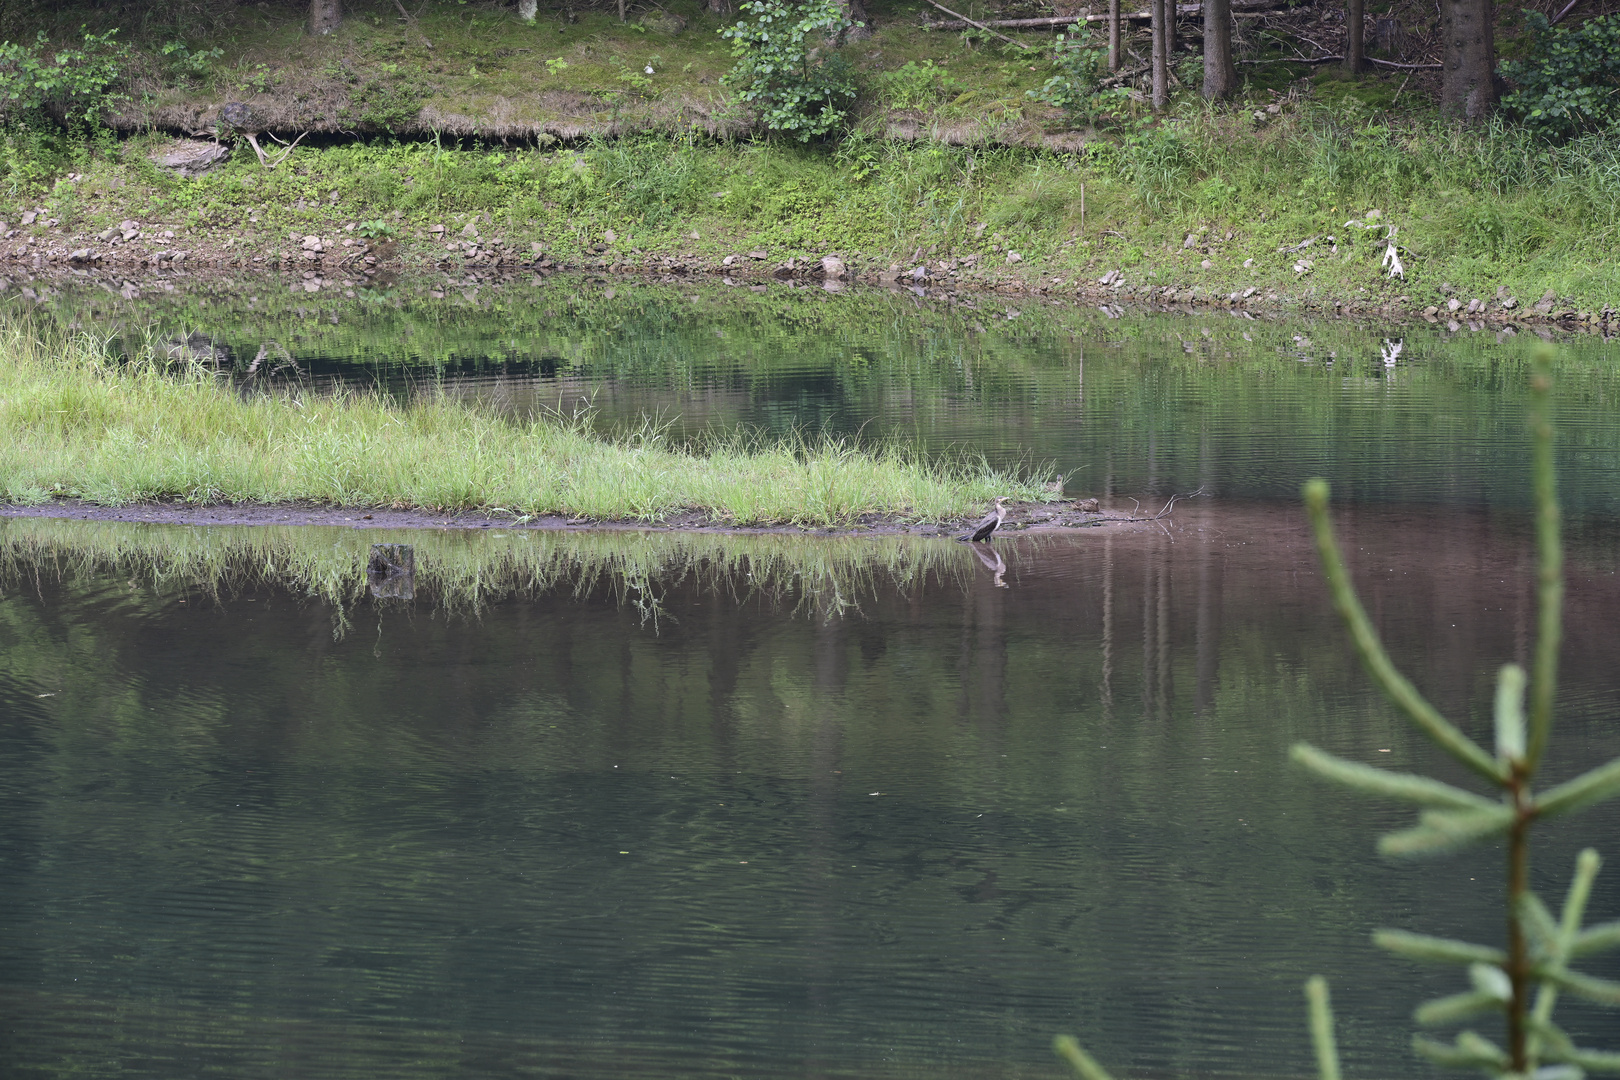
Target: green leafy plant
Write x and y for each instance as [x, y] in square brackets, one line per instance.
[261, 80]
[1569, 81]
[186, 65]
[556, 65]
[376, 229]
[916, 86]
[1521, 982]
[1076, 83]
[73, 86]
[786, 68]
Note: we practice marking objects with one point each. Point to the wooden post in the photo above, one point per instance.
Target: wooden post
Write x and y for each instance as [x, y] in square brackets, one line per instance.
[1161, 59]
[1355, 24]
[1113, 36]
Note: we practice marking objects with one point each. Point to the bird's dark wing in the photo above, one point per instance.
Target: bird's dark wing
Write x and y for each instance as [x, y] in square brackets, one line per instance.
[986, 526]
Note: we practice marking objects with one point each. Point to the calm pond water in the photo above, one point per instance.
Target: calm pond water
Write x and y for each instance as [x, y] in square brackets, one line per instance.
[597, 805]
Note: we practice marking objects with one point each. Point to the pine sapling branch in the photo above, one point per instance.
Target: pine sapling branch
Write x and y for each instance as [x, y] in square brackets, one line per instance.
[1549, 556]
[1321, 1012]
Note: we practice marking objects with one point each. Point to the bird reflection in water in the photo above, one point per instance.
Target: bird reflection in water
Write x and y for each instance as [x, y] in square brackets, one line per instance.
[992, 562]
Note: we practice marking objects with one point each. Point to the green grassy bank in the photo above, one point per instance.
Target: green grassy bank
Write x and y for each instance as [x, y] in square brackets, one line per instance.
[73, 424]
[1207, 204]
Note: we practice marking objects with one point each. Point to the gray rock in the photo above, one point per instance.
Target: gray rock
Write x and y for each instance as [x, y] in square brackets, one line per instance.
[190, 157]
[663, 22]
[919, 273]
[833, 268]
[81, 255]
[241, 117]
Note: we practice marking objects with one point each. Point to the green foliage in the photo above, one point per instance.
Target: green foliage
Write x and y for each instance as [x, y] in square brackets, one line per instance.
[385, 103]
[1076, 84]
[786, 68]
[1569, 82]
[1521, 983]
[376, 229]
[186, 65]
[73, 86]
[916, 86]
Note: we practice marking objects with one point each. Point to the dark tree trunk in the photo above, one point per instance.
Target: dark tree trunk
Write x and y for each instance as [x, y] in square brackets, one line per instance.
[1355, 53]
[324, 16]
[1220, 73]
[1468, 80]
[1113, 35]
[1170, 14]
[1161, 58]
[720, 7]
[855, 12]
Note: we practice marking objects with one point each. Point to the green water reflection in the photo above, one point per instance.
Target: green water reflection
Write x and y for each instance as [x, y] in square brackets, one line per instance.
[633, 804]
[1134, 405]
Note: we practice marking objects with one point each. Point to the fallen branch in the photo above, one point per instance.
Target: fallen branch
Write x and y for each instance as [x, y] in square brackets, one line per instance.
[980, 25]
[1124, 76]
[1050, 21]
[1169, 506]
[1569, 7]
[1336, 57]
[264, 159]
[414, 24]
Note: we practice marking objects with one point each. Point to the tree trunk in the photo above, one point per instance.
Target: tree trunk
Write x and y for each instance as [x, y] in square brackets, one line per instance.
[324, 16]
[720, 7]
[1220, 73]
[1468, 79]
[1161, 56]
[1355, 19]
[1113, 36]
[855, 12]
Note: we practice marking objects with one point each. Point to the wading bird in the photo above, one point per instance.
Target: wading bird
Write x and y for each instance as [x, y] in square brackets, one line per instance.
[987, 525]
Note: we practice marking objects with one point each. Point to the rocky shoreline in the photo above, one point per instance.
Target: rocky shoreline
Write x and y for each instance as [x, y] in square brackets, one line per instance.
[135, 257]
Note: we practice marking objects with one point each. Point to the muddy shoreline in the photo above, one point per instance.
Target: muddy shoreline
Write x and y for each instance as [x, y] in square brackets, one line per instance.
[1065, 516]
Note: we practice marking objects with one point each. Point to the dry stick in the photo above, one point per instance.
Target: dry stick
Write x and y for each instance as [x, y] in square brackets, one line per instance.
[1397, 96]
[414, 25]
[980, 25]
[1569, 7]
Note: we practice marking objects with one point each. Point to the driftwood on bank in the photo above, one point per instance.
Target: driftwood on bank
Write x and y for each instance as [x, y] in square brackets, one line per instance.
[1185, 11]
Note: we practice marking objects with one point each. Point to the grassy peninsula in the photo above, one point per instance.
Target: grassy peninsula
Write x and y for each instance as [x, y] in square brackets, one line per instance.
[74, 423]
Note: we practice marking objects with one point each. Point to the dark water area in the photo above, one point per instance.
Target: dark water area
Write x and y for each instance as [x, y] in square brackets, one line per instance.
[250, 831]
[644, 804]
[1139, 405]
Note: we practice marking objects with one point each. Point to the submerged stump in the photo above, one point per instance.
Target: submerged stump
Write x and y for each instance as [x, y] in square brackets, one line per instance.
[392, 571]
